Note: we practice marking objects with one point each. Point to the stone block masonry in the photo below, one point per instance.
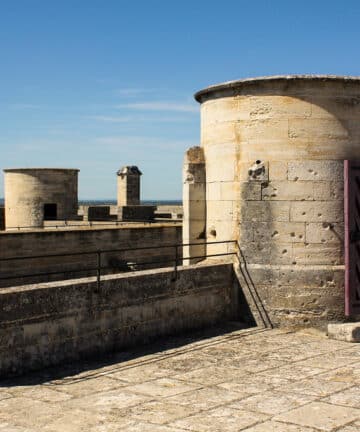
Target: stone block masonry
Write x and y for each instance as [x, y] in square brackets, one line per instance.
[136, 213]
[2, 218]
[50, 323]
[194, 199]
[348, 332]
[78, 240]
[97, 213]
[33, 195]
[128, 193]
[295, 226]
[274, 149]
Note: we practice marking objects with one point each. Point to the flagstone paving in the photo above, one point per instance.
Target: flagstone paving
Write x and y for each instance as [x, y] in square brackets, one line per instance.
[252, 380]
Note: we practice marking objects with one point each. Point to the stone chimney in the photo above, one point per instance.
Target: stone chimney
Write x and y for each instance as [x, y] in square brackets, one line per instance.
[128, 186]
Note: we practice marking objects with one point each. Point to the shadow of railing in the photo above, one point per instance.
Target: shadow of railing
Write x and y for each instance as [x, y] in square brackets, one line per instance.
[251, 287]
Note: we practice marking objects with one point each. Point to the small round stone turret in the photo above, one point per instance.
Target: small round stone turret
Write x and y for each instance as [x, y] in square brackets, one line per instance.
[33, 195]
[128, 191]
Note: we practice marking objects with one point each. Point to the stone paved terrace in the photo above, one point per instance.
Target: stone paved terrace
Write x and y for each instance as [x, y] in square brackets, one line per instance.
[245, 380]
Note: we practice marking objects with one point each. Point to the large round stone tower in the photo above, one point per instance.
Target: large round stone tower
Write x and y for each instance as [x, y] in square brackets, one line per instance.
[274, 151]
[33, 195]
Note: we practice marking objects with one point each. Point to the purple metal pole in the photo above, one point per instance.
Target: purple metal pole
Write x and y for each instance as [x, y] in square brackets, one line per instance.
[347, 236]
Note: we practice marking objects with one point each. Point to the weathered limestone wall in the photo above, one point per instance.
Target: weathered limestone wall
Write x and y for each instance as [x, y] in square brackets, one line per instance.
[79, 239]
[291, 236]
[161, 211]
[128, 196]
[96, 213]
[46, 324]
[194, 204]
[27, 190]
[2, 218]
[136, 213]
[169, 211]
[274, 151]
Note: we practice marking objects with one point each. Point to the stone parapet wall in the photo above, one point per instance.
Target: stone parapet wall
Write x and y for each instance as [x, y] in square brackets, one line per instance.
[77, 240]
[47, 324]
[169, 211]
[136, 213]
[2, 218]
[96, 213]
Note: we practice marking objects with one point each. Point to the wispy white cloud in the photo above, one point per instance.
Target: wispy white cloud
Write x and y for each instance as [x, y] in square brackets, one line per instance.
[160, 106]
[139, 143]
[134, 119]
[25, 106]
[132, 92]
[111, 119]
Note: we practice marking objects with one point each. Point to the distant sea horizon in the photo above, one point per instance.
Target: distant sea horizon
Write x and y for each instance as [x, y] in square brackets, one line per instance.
[144, 202]
[113, 202]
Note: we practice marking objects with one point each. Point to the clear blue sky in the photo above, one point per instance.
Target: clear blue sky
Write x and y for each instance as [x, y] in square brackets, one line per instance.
[97, 84]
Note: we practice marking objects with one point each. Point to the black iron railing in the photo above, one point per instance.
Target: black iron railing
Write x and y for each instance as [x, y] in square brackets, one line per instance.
[175, 260]
[90, 224]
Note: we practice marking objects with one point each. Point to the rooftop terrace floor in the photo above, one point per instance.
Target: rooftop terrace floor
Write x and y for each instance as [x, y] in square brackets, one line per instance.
[246, 380]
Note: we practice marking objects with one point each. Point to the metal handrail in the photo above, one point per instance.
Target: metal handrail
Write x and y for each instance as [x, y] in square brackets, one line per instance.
[98, 253]
[99, 268]
[87, 224]
[171, 245]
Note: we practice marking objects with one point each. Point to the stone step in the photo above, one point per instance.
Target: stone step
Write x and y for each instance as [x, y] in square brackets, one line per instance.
[348, 332]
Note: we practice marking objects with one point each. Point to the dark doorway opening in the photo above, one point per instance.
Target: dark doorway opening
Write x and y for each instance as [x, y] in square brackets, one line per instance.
[50, 211]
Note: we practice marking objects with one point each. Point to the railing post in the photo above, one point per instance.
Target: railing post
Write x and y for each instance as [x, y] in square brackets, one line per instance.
[98, 269]
[176, 261]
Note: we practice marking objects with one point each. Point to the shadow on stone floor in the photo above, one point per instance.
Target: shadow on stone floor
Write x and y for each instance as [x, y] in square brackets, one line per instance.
[150, 352]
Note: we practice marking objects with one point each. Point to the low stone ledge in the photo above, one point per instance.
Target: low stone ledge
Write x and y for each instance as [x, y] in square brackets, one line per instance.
[348, 332]
[50, 323]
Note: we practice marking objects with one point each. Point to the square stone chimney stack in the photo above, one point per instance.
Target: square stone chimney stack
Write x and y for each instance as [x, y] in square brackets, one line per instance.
[128, 186]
